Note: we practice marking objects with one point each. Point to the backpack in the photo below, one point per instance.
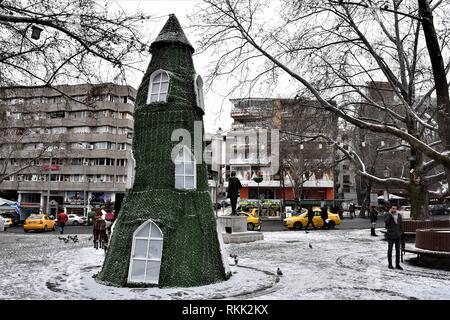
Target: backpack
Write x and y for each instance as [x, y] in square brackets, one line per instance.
[109, 216]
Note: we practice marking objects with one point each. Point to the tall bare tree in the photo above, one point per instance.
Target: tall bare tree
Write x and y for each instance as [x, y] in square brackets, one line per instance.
[333, 50]
[44, 43]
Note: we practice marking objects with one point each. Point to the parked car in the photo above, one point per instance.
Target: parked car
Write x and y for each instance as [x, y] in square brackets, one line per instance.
[405, 211]
[15, 218]
[299, 222]
[38, 222]
[7, 222]
[76, 220]
[438, 209]
[253, 220]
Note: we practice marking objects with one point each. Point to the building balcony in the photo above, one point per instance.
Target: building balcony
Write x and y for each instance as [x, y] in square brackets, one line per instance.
[250, 161]
[319, 183]
[63, 186]
[89, 170]
[76, 137]
[72, 106]
[73, 153]
[70, 122]
[73, 169]
[253, 184]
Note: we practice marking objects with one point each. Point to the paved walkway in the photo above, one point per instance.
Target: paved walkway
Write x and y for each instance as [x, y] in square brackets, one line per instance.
[331, 264]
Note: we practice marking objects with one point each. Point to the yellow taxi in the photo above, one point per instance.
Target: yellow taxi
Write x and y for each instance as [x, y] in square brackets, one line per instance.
[300, 221]
[253, 220]
[38, 222]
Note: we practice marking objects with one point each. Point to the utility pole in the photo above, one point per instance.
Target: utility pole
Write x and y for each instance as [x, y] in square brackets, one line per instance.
[84, 190]
[47, 210]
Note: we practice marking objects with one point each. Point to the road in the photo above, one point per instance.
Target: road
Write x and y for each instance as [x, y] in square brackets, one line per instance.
[347, 223]
[267, 226]
[67, 230]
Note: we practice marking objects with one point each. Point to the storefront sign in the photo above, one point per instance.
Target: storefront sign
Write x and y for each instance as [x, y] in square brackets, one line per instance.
[100, 198]
[52, 168]
[265, 202]
[74, 197]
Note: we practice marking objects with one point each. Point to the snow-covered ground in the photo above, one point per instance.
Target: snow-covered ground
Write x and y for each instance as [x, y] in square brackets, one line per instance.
[342, 264]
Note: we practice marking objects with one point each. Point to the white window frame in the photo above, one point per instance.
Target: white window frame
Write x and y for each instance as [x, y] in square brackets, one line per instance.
[149, 239]
[198, 84]
[150, 86]
[186, 152]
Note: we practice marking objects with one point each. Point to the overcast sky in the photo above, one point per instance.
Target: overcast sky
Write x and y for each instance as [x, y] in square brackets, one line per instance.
[182, 8]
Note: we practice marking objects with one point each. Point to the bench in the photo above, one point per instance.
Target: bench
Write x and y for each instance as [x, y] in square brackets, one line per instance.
[432, 247]
[431, 257]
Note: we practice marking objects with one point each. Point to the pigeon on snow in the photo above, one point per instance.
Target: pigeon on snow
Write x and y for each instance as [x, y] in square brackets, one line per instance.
[279, 272]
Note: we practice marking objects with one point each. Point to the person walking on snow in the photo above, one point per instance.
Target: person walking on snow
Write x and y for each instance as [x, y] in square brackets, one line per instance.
[324, 216]
[394, 234]
[373, 214]
[310, 219]
[62, 219]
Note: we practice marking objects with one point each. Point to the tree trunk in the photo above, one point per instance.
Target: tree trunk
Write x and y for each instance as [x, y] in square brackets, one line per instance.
[419, 201]
[439, 74]
[366, 202]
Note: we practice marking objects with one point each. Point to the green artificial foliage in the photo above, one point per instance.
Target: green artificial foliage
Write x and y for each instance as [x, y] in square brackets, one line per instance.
[191, 250]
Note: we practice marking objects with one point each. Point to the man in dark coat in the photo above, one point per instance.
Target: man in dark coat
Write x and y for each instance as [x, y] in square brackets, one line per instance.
[394, 234]
[310, 219]
[373, 214]
[233, 191]
[324, 216]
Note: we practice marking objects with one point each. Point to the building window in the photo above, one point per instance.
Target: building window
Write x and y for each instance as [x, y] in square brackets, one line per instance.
[159, 87]
[101, 145]
[76, 162]
[56, 114]
[122, 146]
[16, 115]
[122, 162]
[104, 129]
[121, 179]
[58, 130]
[346, 178]
[146, 253]
[185, 170]
[199, 92]
[76, 178]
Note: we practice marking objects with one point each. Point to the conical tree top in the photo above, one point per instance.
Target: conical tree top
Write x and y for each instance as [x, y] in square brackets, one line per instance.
[171, 33]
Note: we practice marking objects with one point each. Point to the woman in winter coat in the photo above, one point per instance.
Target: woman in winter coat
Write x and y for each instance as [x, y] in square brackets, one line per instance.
[373, 214]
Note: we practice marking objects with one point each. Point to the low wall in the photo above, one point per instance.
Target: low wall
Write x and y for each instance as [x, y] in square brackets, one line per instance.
[413, 225]
[433, 239]
[237, 223]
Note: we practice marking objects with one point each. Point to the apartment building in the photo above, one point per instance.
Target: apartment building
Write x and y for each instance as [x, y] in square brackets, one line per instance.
[304, 171]
[67, 147]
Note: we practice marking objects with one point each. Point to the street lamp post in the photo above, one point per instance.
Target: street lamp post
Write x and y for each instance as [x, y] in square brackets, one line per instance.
[47, 210]
[258, 180]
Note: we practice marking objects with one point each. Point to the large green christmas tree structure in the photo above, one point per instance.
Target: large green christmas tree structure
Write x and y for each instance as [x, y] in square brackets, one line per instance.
[166, 231]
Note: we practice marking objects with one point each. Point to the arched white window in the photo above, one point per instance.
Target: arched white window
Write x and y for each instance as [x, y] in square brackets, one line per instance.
[158, 87]
[146, 253]
[185, 170]
[199, 92]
